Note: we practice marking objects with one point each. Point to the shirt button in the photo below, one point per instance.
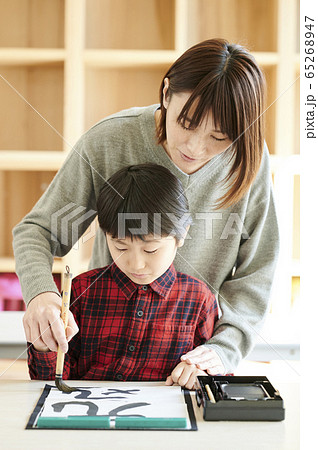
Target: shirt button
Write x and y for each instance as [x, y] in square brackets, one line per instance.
[140, 313]
[119, 376]
[145, 288]
[131, 348]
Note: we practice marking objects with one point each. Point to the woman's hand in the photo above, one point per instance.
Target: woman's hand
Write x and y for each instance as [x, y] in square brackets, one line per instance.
[185, 375]
[205, 358]
[43, 325]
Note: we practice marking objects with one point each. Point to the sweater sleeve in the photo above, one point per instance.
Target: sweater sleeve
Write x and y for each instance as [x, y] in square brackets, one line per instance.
[207, 319]
[55, 223]
[244, 296]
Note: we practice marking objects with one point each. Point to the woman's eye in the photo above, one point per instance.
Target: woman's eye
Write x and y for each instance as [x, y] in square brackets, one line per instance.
[121, 249]
[184, 127]
[217, 139]
[153, 251]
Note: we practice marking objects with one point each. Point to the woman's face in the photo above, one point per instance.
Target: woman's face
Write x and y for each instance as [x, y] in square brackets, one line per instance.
[190, 149]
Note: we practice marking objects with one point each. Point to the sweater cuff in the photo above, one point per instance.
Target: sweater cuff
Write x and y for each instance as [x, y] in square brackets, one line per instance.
[230, 357]
[40, 288]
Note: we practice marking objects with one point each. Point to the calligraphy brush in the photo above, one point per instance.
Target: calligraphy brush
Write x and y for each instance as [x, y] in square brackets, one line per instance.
[59, 383]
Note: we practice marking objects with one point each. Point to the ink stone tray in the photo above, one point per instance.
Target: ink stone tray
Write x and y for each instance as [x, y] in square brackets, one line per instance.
[248, 398]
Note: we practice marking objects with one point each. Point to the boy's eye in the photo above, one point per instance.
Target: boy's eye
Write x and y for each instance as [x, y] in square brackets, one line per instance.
[153, 251]
[121, 249]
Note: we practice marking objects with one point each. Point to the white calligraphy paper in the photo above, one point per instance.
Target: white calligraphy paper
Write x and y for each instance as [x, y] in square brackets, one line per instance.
[117, 401]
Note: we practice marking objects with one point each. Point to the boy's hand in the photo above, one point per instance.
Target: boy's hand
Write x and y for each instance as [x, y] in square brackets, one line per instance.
[185, 375]
[205, 358]
[43, 325]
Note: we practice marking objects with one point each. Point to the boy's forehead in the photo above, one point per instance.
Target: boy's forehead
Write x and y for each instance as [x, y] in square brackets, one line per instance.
[145, 239]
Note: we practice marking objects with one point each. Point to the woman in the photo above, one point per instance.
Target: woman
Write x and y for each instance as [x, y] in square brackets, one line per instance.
[208, 130]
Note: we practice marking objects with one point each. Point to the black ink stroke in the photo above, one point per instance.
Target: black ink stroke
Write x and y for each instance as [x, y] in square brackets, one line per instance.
[85, 393]
[115, 411]
[91, 411]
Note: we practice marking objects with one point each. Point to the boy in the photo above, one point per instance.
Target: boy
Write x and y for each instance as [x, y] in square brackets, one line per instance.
[138, 316]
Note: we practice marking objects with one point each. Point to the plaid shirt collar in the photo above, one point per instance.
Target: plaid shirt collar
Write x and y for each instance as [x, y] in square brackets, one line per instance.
[161, 285]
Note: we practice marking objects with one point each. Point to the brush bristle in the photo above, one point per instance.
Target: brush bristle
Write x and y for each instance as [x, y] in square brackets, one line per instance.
[59, 383]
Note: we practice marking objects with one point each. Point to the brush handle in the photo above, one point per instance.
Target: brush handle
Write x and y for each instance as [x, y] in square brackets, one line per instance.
[66, 295]
[59, 363]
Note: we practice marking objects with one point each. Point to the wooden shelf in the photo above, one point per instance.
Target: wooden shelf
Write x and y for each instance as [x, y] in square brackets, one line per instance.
[7, 264]
[53, 160]
[266, 58]
[31, 56]
[152, 58]
[129, 58]
[31, 160]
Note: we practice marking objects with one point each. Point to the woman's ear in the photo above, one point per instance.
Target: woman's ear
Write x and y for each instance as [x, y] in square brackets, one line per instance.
[181, 241]
[165, 89]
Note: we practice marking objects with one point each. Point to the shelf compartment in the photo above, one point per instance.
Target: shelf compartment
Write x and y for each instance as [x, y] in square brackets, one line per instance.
[19, 191]
[32, 23]
[31, 110]
[248, 22]
[126, 24]
[120, 89]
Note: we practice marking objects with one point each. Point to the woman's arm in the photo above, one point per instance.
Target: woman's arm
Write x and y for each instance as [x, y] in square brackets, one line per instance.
[244, 296]
[55, 223]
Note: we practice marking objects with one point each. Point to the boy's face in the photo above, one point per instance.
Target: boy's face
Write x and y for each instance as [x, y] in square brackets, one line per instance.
[143, 261]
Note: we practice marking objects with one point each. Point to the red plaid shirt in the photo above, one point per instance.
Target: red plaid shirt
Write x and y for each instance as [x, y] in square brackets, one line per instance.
[129, 331]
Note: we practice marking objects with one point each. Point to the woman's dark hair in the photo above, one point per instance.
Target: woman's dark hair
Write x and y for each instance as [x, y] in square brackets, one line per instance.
[143, 199]
[225, 80]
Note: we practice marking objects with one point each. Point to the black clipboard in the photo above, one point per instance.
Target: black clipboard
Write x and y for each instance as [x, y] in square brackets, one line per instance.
[32, 422]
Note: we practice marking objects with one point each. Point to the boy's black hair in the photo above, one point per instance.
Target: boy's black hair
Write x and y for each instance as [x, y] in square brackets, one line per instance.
[139, 195]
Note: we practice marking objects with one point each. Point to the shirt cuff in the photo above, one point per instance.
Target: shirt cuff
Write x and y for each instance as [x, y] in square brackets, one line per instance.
[42, 358]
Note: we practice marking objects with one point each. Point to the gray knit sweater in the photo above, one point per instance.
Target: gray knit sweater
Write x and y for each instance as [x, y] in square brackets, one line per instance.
[233, 250]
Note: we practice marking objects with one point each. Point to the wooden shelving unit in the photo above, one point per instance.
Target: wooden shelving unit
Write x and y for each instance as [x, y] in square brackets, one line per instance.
[65, 64]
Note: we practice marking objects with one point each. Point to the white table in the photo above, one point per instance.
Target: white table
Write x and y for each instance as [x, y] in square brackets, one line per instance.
[18, 399]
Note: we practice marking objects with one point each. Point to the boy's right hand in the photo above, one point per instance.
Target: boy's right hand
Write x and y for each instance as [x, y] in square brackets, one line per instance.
[43, 325]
